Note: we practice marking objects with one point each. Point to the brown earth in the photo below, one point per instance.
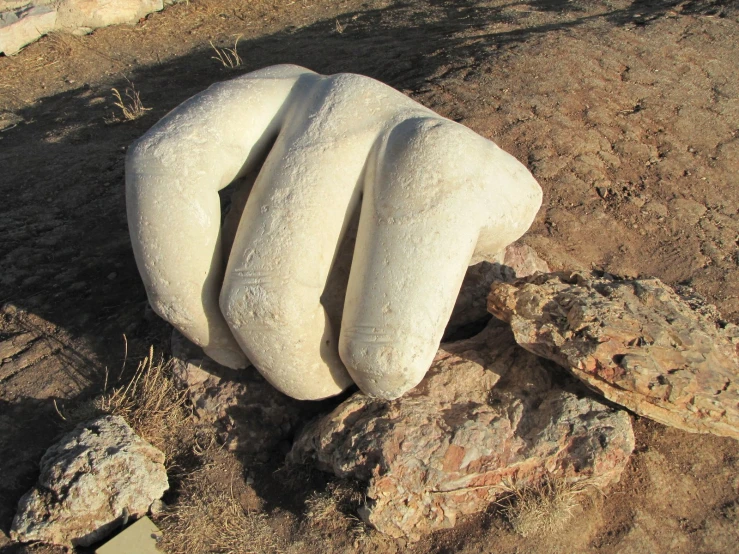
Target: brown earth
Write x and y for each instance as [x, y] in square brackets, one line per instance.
[627, 111]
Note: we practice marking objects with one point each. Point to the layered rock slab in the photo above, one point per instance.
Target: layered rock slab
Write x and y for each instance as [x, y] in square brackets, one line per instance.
[92, 480]
[487, 416]
[635, 341]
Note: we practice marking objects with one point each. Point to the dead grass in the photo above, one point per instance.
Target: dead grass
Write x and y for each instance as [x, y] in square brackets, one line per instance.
[129, 103]
[228, 57]
[151, 403]
[541, 509]
[334, 509]
[208, 518]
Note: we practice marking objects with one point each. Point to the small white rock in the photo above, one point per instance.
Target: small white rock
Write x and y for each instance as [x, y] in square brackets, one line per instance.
[92, 480]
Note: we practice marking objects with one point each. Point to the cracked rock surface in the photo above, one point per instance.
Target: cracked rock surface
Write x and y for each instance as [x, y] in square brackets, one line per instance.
[91, 481]
[487, 415]
[636, 341]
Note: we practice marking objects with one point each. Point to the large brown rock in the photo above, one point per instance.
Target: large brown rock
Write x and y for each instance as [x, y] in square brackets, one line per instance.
[635, 341]
[487, 415]
[92, 481]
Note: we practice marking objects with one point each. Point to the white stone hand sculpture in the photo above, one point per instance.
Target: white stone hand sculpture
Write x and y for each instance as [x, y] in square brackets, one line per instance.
[430, 191]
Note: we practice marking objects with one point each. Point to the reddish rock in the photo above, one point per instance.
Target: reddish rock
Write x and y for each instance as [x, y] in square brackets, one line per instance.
[516, 261]
[487, 415]
[635, 341]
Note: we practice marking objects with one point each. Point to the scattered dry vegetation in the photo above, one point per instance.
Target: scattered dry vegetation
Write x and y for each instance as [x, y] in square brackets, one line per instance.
[131, 106]
[543, 508]
[208, 517]
[228, 57]
[151, 403]
[335, 509]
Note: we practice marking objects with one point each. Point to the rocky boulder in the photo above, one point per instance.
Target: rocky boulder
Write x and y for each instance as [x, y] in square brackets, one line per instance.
[635, 341]
[487, 416]
[92, 481]
[23, 25]
[82, 16]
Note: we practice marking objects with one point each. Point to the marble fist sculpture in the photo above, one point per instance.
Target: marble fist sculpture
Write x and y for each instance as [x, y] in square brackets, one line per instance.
[427, 191]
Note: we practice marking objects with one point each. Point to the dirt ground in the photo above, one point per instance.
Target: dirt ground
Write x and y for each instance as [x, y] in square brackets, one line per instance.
[626, 111]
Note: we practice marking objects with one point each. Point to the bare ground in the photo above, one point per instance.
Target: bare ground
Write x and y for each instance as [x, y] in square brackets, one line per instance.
[627, 112]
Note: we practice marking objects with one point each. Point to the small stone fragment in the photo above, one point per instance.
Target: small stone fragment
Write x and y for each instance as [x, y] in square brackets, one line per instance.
[487, 415]
[688, 210]
[94, 479]
[635, 341]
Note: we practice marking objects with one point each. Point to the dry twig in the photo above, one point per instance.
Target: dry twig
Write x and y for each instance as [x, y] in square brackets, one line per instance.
[150, 402]
[208, 518]
[132, 107]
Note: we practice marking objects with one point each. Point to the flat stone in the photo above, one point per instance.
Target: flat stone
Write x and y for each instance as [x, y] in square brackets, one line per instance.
[635, 341]
[84, 15]
[487, 415]
[688, 210]
[22, 26]
[139, 538]
[92, 481]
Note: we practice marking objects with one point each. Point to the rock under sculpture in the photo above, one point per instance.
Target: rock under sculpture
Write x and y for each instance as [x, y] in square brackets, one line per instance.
[488, 416]
[431, 193]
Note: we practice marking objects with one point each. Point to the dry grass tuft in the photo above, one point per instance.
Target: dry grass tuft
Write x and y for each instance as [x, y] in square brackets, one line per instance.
[131, 107]
[229, 57]
[208, 518]
[334, 509]
[151, 403]
[543, 508]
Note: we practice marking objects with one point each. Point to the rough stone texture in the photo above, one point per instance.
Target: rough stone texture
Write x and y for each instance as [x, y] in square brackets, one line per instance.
[253, 417]
[82, 16]
[636, 342]
[487, 415]
[22, 26]
[516, 261]
[22, 23]
[93, 479]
